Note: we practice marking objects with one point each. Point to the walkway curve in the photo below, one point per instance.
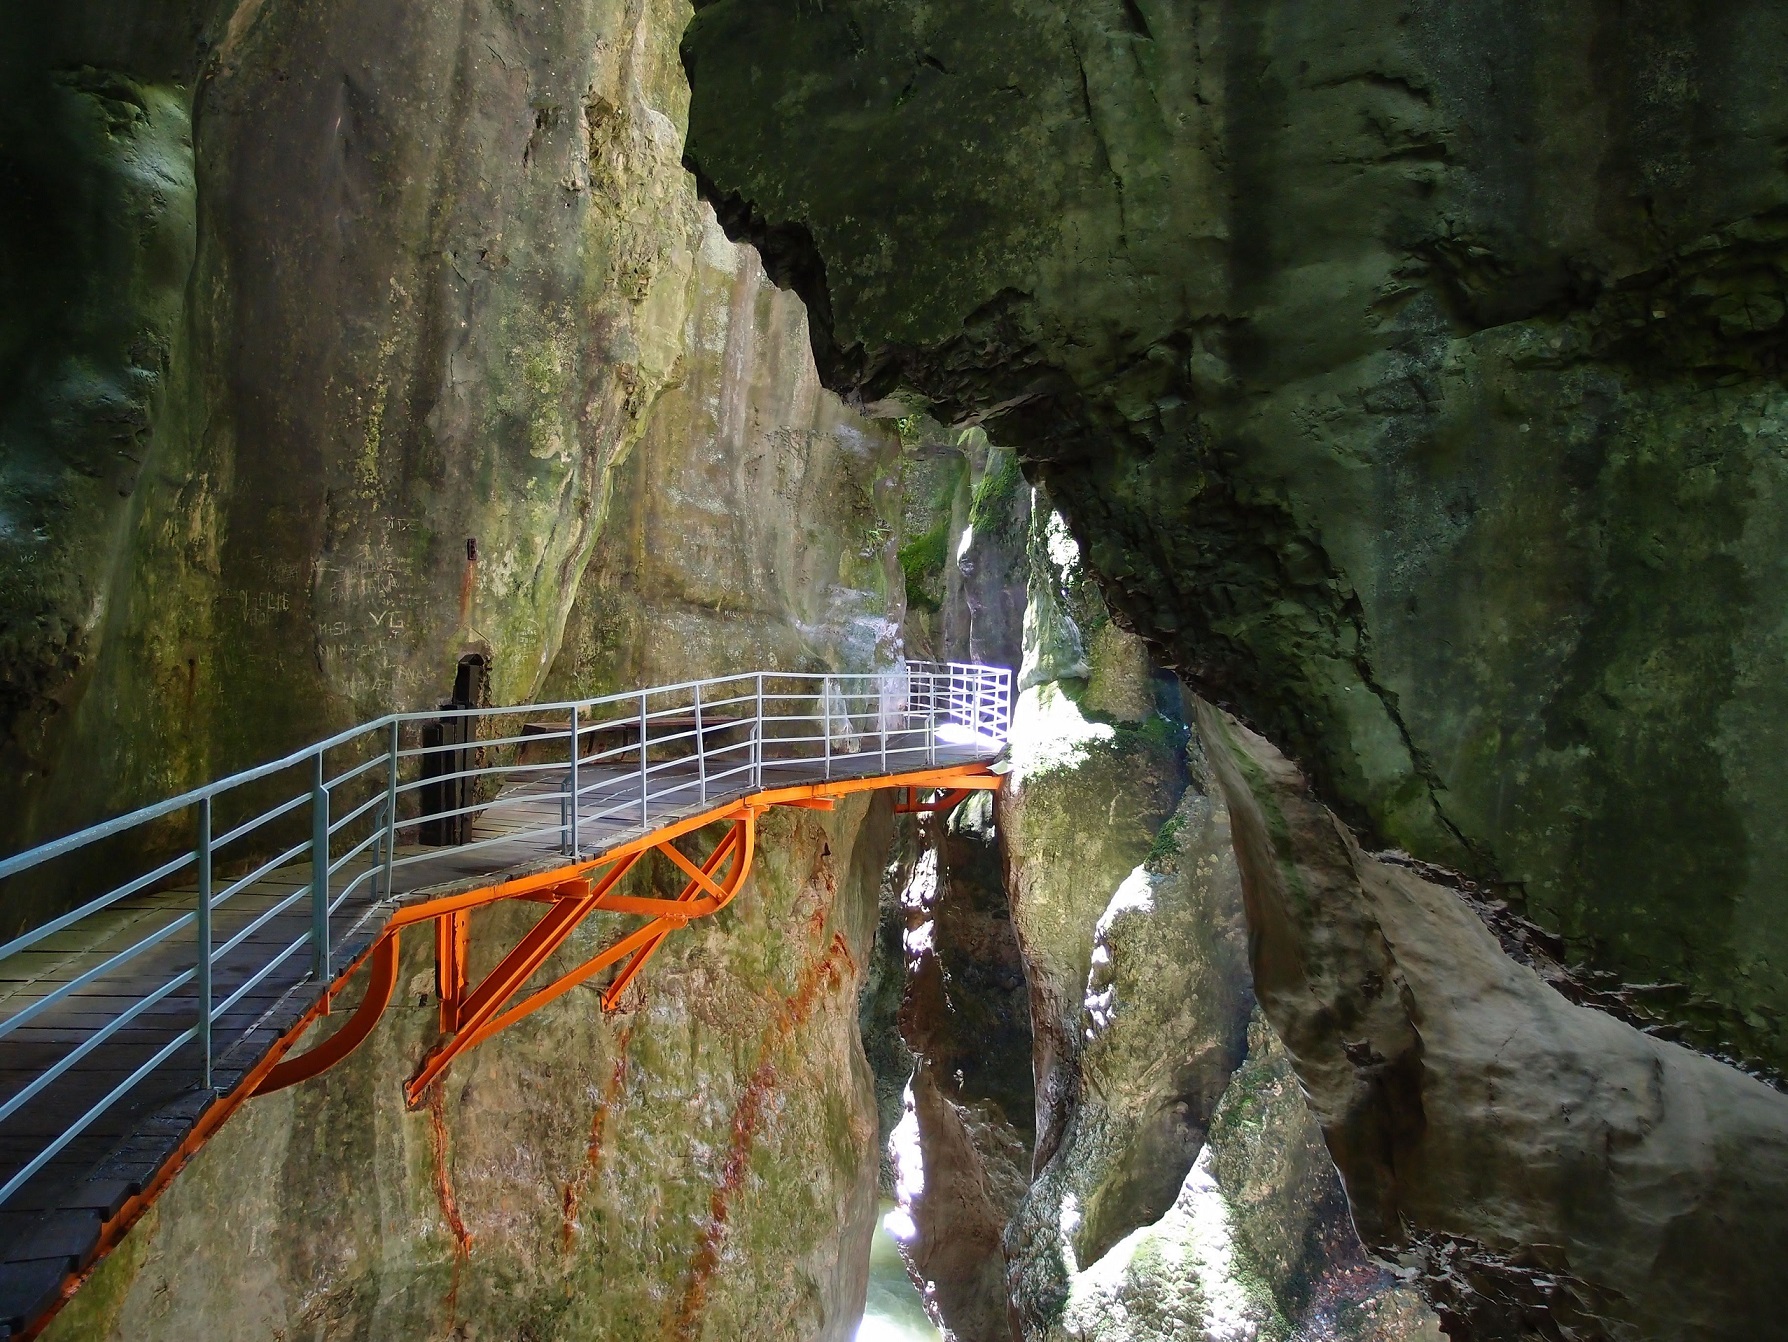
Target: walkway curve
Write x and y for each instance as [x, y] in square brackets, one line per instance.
[133, 1025]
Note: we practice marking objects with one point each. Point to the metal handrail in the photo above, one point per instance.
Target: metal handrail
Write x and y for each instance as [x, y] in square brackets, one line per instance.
[745, 728]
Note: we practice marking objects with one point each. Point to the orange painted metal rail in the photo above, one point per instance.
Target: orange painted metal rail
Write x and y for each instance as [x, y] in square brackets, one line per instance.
[470, 1015]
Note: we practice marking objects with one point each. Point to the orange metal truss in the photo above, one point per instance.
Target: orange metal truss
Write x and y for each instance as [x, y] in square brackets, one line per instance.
[906, 800]
[572, 892]
[469, 1015]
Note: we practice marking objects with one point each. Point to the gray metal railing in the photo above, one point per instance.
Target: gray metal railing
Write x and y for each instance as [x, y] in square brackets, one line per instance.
[347, 812]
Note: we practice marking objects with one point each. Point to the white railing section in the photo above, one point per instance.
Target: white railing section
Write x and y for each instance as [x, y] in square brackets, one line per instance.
[355, 812]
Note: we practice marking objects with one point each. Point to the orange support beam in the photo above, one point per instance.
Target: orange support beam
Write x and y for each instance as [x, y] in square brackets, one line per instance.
[380, 985]
[483, 1013]
[572, 893]
[453, 935]
[911, 805]
[512, 972]
[743, 838]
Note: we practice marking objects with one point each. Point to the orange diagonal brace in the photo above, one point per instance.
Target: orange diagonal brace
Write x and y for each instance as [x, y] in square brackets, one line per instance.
[381, 983]
[745, 834]
[912, 806]
[481, 1017]
[624, 947]
[696, 875]
[512, 972]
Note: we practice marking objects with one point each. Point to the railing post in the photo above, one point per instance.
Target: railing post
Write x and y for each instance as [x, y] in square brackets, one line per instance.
[931, 721]
[203, 917]
[883, 684]
[390, 804]
[701, 748]
[757, 738]
[826, 702]
[571, 835]
[645, 778]
[319, 873]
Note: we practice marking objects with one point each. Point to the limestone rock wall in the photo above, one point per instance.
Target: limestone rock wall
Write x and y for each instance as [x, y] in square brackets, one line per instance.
[1411, 374]
[358, 310]
[703, 1163]
[1546, 1169]
[392, 332]
[758, 521]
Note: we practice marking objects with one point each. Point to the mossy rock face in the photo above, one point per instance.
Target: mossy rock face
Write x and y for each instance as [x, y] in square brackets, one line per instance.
[1256, 1243]
[757, 523]
[98, 240]
[1411, 376]
[252, 436]
[1189, 1188]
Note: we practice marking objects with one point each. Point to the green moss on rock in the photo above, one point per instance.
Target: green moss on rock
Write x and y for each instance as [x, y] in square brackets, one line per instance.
[1414, 389]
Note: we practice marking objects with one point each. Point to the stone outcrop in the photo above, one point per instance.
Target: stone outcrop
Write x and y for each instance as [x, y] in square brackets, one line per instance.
[756, 523]
[962, 1150]
[1174, 1185]
[1546, 1169]
[1411, 374]
[1257, 1244]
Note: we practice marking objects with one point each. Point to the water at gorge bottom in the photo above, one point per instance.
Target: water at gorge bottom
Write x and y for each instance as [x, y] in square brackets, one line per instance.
[895, 1312]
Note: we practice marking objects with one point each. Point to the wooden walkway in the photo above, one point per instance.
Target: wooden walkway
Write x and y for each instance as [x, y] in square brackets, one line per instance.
[51, 1229]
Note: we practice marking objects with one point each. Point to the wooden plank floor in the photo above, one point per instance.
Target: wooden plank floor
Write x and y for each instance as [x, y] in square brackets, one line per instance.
[50, 1228]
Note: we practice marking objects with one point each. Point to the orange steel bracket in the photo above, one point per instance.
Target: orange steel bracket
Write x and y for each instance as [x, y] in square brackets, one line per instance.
[571, 894]
[453, 935]
[380, 985]
[485, 1011]
[744, 839]
[908, 803]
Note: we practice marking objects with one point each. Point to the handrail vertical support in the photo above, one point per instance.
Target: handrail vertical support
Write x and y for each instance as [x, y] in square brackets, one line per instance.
[319, 872]
[757, 737]
[931, 721]
[826, 709]
[571, 835]
[881, 714]
[645, 777]
[202, 912]
[701, 749]
[390, 804]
